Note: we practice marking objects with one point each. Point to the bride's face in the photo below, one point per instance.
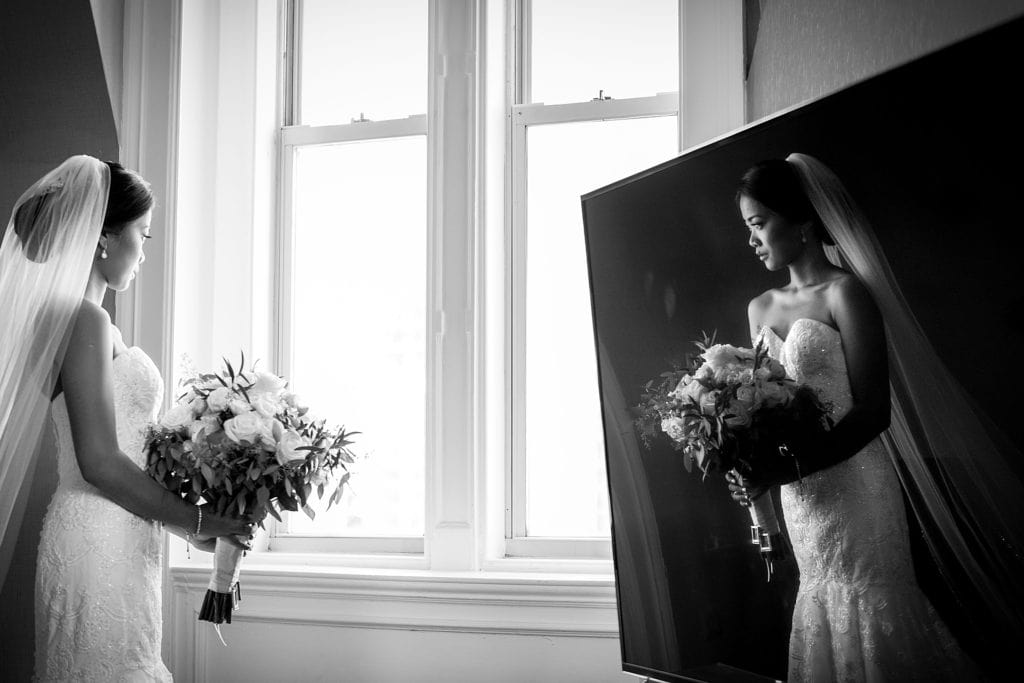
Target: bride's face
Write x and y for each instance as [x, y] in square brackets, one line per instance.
[777, 242]
[125, 253]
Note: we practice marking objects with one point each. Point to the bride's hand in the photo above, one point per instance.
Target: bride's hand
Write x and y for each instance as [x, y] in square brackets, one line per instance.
[205, 543]
[236, 530]
[743, 490]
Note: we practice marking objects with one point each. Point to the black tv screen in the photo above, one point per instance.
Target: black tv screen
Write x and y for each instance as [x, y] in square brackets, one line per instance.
[933, 152]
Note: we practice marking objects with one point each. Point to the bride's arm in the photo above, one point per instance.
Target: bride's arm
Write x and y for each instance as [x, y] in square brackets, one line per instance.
[87, 381]
[863, 334]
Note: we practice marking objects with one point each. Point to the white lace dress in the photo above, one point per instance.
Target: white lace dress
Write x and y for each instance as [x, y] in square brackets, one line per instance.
[98, 598]
[859, 614]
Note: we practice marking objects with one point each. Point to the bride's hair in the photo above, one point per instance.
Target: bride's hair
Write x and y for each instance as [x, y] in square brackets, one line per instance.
[128, 198]
[775, 184]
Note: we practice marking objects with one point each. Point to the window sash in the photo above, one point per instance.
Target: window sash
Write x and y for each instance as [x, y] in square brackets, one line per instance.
[517, 543]
[291, 139]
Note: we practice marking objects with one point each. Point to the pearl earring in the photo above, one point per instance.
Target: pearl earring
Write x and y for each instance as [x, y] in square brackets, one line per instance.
[803, 238]
[103, 252]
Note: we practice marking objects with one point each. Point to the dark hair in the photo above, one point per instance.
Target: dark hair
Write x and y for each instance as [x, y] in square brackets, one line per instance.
[775, 184]
[128, 199]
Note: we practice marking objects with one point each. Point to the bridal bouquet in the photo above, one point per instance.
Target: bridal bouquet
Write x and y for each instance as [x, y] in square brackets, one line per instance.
[732, 409]
[242, 442]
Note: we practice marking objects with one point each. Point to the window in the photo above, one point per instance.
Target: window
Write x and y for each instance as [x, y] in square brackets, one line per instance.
[353, 260]
[594, 101]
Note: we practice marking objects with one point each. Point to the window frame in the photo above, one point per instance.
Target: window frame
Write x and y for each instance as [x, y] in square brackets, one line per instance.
[389, 550]
[521, 115]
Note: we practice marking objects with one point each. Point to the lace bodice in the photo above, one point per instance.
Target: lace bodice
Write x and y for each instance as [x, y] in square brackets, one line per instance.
[825, 508]
[859, 614]
[138, 394]
[98, 593]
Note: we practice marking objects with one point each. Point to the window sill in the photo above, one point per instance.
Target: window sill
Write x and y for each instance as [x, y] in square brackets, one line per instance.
[509, 602]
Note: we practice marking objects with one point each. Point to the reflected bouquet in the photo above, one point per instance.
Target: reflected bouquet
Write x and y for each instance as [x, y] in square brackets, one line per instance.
[242, 442]
[732, 409]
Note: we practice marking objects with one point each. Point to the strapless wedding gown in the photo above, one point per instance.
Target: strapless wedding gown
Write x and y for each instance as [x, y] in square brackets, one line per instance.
[859, 614]
[98, 597]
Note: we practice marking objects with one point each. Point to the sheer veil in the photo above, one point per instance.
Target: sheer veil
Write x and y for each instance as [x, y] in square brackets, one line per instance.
[957, 468]
[45, 260]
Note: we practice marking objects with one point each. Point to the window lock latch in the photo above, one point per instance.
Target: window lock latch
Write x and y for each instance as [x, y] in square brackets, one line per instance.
[600, 97]
[362, 119]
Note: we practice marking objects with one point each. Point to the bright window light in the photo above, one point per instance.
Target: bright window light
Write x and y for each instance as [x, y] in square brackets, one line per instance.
[567, 494]
[580, 47]
[358, 330]
[362, 58]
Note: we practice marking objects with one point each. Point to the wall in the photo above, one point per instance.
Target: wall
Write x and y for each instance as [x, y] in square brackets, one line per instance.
[54, 103]
[109, 19]
[807, 48]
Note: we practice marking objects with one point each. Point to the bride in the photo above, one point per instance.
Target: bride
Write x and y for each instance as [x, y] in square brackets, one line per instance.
[75, 233]
[859, 613]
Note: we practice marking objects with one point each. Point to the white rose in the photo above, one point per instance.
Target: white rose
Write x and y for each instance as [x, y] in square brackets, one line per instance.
[177, 417]
[723, 355]
[270, 431]
[268, 383]
[707, 402]
[208, 422]
[673, 426]
[198, 405]
[266, 406]
[239, 406]
[694, 390]
[746, 396]
[288, 445]
[683, 383]
[245, 427]
[218, 399]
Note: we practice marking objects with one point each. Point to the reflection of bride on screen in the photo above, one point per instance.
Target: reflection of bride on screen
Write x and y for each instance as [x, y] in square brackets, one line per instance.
[842, 326]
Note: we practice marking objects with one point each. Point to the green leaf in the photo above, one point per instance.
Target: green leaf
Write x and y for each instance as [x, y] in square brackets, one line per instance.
[211, 480]
[274, 513]
[262, 496]
[309, 511]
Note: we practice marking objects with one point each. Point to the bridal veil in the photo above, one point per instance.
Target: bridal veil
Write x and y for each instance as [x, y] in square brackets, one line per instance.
[957, 468]
[46, 257]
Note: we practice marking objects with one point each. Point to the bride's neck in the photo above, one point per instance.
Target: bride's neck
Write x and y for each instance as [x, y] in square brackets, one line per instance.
[812, 268]
[96, 288]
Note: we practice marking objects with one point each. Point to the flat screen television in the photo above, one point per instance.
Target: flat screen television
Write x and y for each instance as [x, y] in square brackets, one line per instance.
[933, 152]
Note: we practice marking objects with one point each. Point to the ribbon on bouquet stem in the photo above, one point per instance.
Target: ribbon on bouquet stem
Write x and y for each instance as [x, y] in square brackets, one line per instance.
[224, 593]
[764, 525]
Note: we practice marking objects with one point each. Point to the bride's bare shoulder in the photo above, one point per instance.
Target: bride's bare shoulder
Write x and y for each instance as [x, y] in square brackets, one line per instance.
[91, 331]
[757, 309]
[760, 304]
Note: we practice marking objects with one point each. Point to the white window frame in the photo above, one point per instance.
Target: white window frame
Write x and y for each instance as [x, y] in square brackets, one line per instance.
[471, 211]
[522, 115]
[404, 550]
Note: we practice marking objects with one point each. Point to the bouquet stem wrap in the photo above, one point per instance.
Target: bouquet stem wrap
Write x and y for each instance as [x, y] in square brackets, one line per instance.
[762, 514]
[224, 593]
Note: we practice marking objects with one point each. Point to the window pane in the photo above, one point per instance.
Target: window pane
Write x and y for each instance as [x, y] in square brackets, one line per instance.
[359, 322]
[567, 494]
[362, 58]
[627, 49]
